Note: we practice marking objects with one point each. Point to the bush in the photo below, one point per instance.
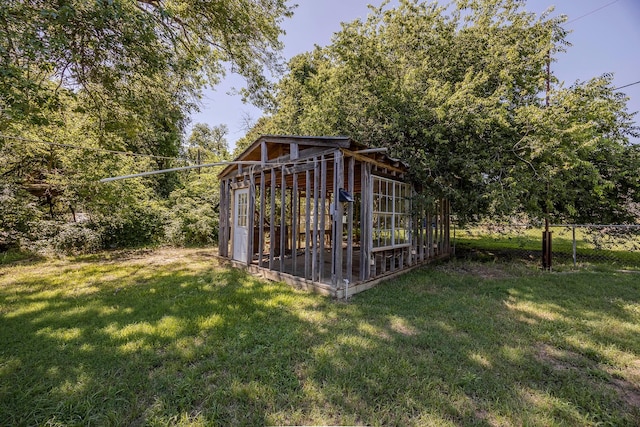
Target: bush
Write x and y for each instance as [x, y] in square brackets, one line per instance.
[192, 224]
[18, 214]
[76, 238]
[136, 226]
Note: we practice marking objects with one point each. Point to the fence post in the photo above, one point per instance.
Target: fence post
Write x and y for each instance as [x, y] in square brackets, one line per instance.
[546, 247]
[573, 233]
[454, 239]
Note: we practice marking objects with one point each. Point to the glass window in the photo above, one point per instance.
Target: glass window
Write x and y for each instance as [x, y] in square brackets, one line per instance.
[243, 208]
[391, 210]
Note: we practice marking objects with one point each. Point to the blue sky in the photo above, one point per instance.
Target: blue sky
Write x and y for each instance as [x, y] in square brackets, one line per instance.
[606, 40]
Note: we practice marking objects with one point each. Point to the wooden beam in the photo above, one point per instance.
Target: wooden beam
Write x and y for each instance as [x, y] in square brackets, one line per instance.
[294, 223]
[323, 200]
[366, 222]
[261, 219]
[366, 159]
[307, 225]
[323, 141]
[316, 218]
[250, 219]
[351, 190]
[264, 153]
[283, 219]
[304, 162]
[336, 244]
[272, 220]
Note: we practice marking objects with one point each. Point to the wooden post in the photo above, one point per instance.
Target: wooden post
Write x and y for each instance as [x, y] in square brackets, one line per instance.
[264, 154]
[261, 219]
[283, 215]
[449, 226]
[323, 199]
[336, 244]
[575, 252]
[307, 225]
[415, 235]
[429, 236]
[316, 215]
[221, 227]
[546, 247]
[294, 222]
[250, 219]
[366, 222]
[351, 190]
[441, 228]
[272, 223]
[420, 239]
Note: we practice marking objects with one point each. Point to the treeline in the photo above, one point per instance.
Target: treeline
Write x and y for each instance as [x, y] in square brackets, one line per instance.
[462, 93]
[78, 78]
[51, 200]
[465, 94]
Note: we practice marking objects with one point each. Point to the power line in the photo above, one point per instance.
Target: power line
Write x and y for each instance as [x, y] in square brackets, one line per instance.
[630, 84]
[592, 12]
[250, 163]
[77, 147]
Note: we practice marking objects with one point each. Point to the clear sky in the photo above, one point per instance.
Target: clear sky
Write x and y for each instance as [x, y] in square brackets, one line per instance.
[605, 38]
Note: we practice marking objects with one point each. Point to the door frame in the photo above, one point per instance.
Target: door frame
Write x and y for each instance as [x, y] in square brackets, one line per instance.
[240, 225]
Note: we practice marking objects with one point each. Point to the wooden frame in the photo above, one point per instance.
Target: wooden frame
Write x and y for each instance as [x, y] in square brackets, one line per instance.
[332, 238]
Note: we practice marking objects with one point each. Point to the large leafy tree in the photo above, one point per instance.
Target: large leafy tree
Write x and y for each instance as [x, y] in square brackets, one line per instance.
[459, 93]
[118, 75]
[100, 46]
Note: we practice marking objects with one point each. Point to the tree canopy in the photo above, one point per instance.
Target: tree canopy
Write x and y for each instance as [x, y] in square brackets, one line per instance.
[104, 46]
[458, 92]
[80, 77]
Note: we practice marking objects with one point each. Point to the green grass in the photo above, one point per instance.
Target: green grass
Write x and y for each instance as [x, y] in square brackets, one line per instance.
[169, 337]
[616, 252]
[12, 256]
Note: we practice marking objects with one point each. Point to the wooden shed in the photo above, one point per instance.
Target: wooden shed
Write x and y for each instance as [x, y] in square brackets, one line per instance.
[325, 213]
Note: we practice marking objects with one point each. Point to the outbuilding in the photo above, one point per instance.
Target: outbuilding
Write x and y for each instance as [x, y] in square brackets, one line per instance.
[326, 213]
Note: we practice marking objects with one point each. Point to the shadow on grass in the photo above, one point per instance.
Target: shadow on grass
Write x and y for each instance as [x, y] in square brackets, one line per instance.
[522, 350]
[529, 249]
[137, 347]
[184, 344]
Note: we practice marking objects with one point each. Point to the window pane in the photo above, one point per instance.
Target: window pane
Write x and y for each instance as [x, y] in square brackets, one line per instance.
[391, 210]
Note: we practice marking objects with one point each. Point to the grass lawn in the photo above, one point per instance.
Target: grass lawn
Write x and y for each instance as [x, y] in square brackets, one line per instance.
[618, 251]
[169, 337]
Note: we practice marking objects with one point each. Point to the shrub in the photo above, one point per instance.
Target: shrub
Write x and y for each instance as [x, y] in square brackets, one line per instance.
[192, 223]
[76, 238]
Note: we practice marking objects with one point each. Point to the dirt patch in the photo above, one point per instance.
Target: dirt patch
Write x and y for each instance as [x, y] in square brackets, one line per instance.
[558, 359]
[158, 256]
[624, 383]
[627, 392]
[477, 269]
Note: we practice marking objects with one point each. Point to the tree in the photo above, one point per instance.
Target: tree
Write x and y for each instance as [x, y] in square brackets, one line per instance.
[101, 46]
[119, 75]
[576, 156]
[459, 94]
[194, 203]
[207, 144]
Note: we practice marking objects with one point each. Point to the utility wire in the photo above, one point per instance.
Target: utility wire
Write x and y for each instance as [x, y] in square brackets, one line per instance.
[630, 84]
[77, 147]
[592, 12]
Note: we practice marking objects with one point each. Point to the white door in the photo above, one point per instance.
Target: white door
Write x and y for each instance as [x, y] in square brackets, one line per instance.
[241, 225]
